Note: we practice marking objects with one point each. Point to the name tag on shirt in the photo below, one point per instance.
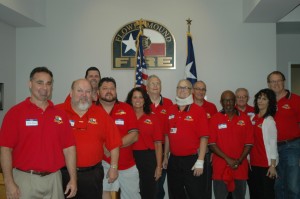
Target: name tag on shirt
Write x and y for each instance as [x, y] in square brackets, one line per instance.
[173, 130]
[32, 122]
[171, 117]
[72, 123]
[119, 122]
[222, 126]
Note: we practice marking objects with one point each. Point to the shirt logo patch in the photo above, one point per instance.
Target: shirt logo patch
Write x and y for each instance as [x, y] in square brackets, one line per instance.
[121, 112]
[163, 111]
[286, 106]
[147, 121]
[188, 118]
[241, 123]
[93, 121]
[208, 115]
[58, 120]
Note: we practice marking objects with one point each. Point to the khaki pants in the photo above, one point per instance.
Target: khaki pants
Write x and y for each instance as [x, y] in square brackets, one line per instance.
[35, 186]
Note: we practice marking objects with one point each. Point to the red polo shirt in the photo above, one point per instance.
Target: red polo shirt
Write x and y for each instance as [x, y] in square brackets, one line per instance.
[231, 137]
[125, 119]
[209, 108]
[91, 131]
[149, 132]
[37, 138]
[186, 128]
[248, 111]
[287, 117]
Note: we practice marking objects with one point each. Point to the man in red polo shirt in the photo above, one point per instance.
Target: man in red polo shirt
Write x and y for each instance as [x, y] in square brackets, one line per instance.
[159, 106]
[92, 128]
[287, 120]
[231, 140]
[242, 98]
[199, 92]
[36, 141]
[125, 119]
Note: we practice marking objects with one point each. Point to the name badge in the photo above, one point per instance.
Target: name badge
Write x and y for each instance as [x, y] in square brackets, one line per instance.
[72, 123]
[32, 122]
[222, 126]
[173, 130]
[119, 122]
[171, 117]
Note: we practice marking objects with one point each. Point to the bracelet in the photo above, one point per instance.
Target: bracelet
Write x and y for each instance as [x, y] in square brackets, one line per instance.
[272, 165]
[114, 166]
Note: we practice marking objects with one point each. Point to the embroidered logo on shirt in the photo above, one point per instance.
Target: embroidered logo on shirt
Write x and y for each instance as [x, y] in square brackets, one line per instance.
[286, 106]
[121, 112]
[163, 111]
[148, 121]
[208, 115]
[93, 121]
[241, 123]
[58, 120]
[189, 118]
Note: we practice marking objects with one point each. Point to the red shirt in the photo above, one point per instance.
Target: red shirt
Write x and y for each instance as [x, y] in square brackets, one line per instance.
[161, 111]
[186, 128]
[91, 131]
[248, 111]
[258, 155]
[149, 132]
[287, 117]
[231, 137]
[37, 138]
[209, 108]
[125, 119]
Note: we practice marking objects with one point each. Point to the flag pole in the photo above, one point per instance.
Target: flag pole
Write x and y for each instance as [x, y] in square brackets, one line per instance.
[189, 23]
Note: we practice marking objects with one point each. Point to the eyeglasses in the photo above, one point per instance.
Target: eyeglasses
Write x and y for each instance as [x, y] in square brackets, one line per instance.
[231, 101]
[199, 89]
[183, 88]
[242, 97]
[275, 82]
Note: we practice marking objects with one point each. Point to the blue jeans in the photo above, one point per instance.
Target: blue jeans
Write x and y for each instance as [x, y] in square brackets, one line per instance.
[287, 185]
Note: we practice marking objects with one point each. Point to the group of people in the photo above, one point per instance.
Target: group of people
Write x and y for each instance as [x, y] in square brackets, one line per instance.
[92, 144]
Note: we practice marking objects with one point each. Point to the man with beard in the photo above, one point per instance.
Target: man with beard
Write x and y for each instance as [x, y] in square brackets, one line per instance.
[36, 141]
[93, 75]
[231, 140]
[92, 128]
[125, 119]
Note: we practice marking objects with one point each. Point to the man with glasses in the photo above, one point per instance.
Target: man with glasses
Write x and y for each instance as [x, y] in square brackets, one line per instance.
[231, 140]
[188, 134]
[242, 98]
[199, 91]
[36, 141]
[159, 106]
[92, 129]
[287, 120]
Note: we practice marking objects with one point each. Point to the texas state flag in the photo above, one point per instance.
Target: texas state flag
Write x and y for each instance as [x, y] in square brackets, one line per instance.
[156, 44]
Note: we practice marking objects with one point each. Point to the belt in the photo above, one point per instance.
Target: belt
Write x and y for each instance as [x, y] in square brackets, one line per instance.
[83, 169]
[280, 143]
[39, 173]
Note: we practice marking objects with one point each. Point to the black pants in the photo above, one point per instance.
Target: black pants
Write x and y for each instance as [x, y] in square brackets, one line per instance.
[260, 185]
[89, 182]
[206, 178]
[182, 184]
[146, 164]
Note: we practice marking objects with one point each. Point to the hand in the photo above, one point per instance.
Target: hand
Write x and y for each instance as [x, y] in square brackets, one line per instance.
[12, 191]
[234, 164]
[198, 172]
[158, 172]
[165, 162]
[112, 175]
[71, 189]
[198, 167]
[272, 173]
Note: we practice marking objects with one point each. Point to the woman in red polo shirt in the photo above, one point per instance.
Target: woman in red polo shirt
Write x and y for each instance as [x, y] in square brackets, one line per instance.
[264, 154]
[147, 150]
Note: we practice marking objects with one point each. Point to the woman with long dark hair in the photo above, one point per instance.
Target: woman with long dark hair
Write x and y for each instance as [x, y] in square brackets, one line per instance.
[264, 154]
[147, 150]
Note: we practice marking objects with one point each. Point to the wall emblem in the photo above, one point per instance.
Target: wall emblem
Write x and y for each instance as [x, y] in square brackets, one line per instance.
[159, 46]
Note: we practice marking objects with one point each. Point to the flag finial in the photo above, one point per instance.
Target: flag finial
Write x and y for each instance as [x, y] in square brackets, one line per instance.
[189, 23]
